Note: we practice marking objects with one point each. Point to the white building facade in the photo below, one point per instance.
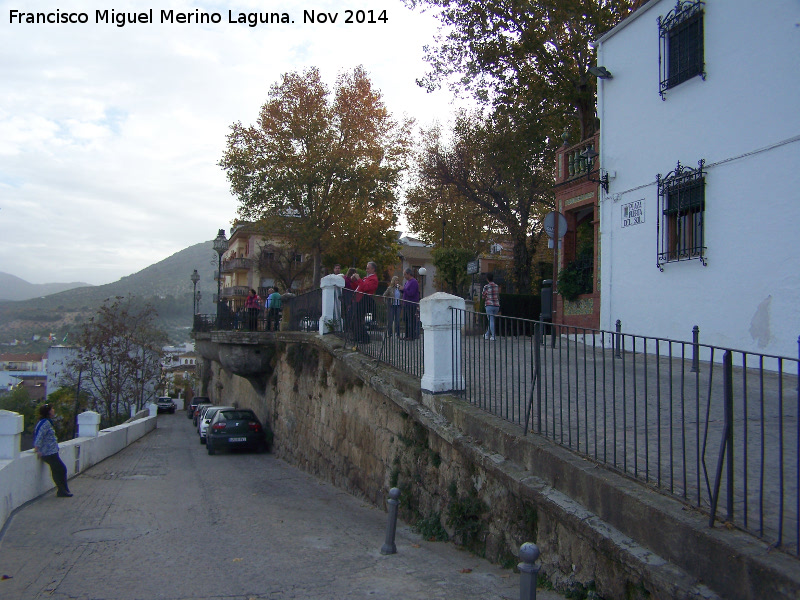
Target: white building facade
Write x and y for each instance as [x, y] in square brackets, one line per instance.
[700, 137]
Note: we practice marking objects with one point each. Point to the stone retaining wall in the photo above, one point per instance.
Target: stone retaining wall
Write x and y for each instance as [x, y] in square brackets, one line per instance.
[471, 477]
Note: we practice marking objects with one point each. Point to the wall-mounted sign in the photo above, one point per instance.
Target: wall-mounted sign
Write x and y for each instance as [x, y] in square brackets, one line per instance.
[633, 213]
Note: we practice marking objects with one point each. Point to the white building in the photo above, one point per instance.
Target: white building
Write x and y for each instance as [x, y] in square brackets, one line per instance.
[700, 135]
[58, 370]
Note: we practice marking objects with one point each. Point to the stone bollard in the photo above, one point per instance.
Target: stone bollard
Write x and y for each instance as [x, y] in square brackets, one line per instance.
[11, 425]
[391, 526]
[529, 572]
[88, 424]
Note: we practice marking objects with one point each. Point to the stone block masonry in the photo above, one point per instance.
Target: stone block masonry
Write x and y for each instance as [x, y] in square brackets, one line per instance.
[470, 477]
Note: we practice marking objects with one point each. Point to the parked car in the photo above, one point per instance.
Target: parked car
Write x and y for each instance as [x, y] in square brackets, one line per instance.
[193, 405]
[202, 412]
[166, 404]
[236, 428]
[198, 410]
[209, 414]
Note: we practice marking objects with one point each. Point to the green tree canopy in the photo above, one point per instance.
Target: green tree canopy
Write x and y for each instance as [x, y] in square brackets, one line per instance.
[321, 167]
[514, 52]
[451, 268]
[19, 401]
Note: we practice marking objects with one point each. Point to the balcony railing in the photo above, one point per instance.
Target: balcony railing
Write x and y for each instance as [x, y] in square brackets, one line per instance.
[236, 264]
[235, 291]
[571, 165]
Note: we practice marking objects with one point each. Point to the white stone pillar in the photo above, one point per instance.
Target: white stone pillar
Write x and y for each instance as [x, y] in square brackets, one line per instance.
[332, 286]
[88, 424]
[11, 426]
[442, 343]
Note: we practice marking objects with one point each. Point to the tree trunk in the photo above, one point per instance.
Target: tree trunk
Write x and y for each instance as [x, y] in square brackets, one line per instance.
[522, 263]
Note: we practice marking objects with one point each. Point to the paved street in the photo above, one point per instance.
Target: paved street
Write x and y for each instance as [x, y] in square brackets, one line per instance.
[162, 519]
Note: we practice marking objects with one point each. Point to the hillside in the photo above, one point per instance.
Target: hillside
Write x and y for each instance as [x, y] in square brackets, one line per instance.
[166, 285]
[13, 288]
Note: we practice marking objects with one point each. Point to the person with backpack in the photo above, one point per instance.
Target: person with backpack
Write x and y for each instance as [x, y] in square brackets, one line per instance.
[46, 446]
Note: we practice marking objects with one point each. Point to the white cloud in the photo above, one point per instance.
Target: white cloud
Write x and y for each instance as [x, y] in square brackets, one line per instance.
[110, 136]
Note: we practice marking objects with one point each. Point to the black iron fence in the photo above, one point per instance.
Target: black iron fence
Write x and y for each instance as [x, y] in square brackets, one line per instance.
[721, 433]
[381, 327]
[303, 312]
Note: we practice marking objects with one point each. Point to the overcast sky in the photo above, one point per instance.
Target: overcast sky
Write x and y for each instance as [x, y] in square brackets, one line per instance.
[109, 136]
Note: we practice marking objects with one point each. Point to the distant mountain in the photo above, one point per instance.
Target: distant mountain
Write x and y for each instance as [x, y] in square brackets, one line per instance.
[166, 285]
[14, 288]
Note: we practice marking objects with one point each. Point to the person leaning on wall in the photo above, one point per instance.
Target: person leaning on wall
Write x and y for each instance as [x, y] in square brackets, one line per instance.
[46, 446]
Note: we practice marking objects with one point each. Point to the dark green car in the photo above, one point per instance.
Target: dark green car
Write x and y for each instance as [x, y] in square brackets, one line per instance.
[236, 428]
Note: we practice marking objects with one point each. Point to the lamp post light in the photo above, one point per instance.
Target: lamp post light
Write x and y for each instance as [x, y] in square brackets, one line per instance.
[422, 272]
[220, 246]
[195, 278]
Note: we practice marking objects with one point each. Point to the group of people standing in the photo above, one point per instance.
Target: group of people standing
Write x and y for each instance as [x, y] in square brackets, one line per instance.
[272, 305]
[402, 300]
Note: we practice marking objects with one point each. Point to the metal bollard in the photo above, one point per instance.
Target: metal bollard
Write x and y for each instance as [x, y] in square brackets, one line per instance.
[391, 526]
[618, 340]
[695, 349]
[529, 572]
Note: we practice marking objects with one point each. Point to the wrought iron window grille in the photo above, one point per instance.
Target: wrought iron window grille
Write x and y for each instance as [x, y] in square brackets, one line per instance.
[680, 48]
[681, 209]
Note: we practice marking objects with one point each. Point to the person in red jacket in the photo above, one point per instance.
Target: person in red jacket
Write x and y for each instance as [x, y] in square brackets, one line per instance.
[363, 302]
[252, 305]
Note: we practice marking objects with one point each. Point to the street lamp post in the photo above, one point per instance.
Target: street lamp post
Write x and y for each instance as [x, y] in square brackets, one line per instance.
[195, 278]
[220, 246]
[422, 272]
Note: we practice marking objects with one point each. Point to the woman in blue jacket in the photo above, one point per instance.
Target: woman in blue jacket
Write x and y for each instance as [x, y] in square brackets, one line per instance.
[46, 446]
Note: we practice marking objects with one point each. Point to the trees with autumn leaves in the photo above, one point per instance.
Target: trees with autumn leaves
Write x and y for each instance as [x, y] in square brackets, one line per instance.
[527, 63]
[523, 53]
[322, 167]
[499, 169]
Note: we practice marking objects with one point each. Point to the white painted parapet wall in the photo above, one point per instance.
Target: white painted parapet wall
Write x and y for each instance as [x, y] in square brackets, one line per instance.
[331, 289]
[24, 477]
[442, 343]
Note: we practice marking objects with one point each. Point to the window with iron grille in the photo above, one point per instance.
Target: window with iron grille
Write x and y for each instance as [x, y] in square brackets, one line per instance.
[681, 208]
[680, 49]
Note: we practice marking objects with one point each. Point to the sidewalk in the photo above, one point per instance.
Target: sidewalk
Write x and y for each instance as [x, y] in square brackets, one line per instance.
[162, 519]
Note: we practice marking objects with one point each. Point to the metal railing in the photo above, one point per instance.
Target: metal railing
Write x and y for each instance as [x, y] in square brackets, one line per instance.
[303, 312]
[377, 327]
[721, 433]
[233, 320]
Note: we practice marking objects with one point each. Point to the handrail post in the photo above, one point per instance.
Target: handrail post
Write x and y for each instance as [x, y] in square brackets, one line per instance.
[538, 357]
[695, 349]
[727, 377]
[529, 572]
[617, 340]
[389, 546]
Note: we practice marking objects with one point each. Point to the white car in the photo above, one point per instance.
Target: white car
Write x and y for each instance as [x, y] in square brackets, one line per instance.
[202, 425]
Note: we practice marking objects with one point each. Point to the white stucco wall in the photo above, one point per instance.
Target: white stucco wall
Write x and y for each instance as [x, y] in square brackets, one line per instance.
[744, 121]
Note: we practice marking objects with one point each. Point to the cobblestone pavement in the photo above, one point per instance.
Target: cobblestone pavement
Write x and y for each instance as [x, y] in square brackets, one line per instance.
[163, 520]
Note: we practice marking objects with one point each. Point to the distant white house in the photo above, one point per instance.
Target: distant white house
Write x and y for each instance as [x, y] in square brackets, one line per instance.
[59, 372]
[700, 137]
